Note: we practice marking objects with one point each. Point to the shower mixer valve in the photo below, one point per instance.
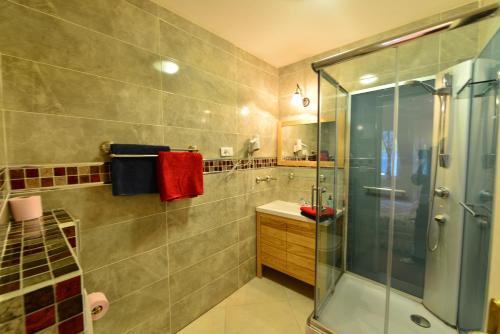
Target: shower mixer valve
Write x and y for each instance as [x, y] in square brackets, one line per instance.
[440, 219]
[442, 192]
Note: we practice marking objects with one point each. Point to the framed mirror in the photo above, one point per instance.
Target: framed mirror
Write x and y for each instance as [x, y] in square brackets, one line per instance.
[297, 143]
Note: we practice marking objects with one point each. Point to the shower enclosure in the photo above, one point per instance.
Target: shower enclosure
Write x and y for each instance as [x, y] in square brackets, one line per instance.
[409, 251]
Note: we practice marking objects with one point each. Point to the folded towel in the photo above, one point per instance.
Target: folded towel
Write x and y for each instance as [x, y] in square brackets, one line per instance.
[133, 176]
[309, 212]
[180, 175]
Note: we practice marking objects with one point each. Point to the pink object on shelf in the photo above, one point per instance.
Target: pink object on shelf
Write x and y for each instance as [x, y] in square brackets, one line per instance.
[98, 304]
[26, 207]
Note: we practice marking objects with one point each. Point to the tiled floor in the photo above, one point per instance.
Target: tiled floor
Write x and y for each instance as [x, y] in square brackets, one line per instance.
[275, 304]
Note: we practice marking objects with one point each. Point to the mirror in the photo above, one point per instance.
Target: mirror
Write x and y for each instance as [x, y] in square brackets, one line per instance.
[297, 143]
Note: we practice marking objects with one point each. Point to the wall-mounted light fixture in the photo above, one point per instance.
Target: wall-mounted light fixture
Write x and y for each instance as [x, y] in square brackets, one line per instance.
[298, 99]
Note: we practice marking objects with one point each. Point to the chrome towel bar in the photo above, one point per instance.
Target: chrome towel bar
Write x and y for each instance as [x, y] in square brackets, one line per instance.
[106, 148]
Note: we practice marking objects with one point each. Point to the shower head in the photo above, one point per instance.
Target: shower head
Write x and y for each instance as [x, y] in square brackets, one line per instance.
[439, 92]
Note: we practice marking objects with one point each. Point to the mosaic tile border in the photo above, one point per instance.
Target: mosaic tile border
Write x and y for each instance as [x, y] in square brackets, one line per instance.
[36, 177]
[33, 177]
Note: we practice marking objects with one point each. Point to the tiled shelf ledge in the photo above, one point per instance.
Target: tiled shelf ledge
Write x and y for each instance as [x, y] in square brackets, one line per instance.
[28, 178]
[40, 278]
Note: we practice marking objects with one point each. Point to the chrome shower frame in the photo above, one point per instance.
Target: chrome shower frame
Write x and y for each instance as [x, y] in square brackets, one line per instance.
[313, 325]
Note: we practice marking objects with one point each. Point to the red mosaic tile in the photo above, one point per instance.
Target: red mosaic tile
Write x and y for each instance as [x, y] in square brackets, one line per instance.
[95, 178]
[9, 287]
[39, 320]
[94, 169]
[69, 231]
[71, 170]
[84, 178]
[47, 182]
[69, 308]
[72, 179]
[17, 184]
[32, 172]
[38, 299]
[72, 326]
[68, 288]
[59, 171]
[72, 242]
[16, 174]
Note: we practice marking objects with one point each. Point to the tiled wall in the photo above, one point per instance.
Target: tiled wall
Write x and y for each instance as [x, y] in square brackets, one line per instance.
[76, 74]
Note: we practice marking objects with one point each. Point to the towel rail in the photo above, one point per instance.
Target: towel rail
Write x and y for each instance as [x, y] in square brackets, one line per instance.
[106, 148]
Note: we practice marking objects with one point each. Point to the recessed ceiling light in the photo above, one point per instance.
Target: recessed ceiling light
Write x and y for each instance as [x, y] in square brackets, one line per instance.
[367, 79]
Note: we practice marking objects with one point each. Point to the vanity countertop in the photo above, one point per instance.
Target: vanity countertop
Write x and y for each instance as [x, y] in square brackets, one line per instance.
[287, 210]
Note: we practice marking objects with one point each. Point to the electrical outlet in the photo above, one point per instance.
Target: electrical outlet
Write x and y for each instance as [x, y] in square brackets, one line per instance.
[226, 151]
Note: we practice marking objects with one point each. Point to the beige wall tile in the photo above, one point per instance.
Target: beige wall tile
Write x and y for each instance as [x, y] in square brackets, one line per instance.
[188, 280]
[189, 251]
[192, 220]
[127, 312]
[178, 44]
[31, 137]
[247, 271]
[217, 187]
[117, 18]
[36, 36]
[247, 249]
[146, 5]
[194, 82]
[208, 142]
[96, 206]
[260, 64]
[158, 323]
[182, 111]
[194, 29]
[39, 88]
[246, 227]
[124, 277]
[249, 75]
[202, 300]
[104, 245]
[256, 101]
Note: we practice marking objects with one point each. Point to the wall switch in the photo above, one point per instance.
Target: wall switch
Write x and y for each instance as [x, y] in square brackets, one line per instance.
[226, 151]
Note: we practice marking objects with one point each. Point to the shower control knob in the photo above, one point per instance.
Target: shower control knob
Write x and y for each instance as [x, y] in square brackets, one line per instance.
[440, 219]
[442, 192]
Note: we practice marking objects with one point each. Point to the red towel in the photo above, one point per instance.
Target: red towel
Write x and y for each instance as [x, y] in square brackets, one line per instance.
[311, 212]
[180, 175]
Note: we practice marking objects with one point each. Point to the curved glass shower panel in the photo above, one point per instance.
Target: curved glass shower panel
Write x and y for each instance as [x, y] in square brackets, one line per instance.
[483, 91]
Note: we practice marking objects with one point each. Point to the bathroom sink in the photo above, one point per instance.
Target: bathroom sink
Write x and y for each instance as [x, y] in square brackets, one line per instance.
[286, 209]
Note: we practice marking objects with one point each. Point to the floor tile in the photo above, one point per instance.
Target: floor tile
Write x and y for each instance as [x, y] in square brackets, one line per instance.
[269, 318]
[258, 290]
[212, 322]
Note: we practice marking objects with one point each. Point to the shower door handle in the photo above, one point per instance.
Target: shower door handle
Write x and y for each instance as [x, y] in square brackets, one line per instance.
[381, 190]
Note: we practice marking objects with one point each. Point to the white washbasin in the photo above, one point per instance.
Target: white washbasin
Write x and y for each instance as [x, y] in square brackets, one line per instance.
[288, 210]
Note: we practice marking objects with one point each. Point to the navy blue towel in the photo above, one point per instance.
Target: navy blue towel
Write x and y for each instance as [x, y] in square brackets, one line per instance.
[133, 176]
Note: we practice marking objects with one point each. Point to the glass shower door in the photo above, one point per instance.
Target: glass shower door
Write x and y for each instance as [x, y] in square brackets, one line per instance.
[330, 259]
[347, 299]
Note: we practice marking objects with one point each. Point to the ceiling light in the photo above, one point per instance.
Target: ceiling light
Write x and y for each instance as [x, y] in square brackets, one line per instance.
[368, 79]
[298, 99]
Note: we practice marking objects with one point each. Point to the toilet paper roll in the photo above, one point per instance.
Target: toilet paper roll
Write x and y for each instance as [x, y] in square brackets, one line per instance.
[98, 304]
[26, 207]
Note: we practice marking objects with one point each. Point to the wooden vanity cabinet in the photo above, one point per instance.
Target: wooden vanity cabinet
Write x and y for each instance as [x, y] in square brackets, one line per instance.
[286, 245]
